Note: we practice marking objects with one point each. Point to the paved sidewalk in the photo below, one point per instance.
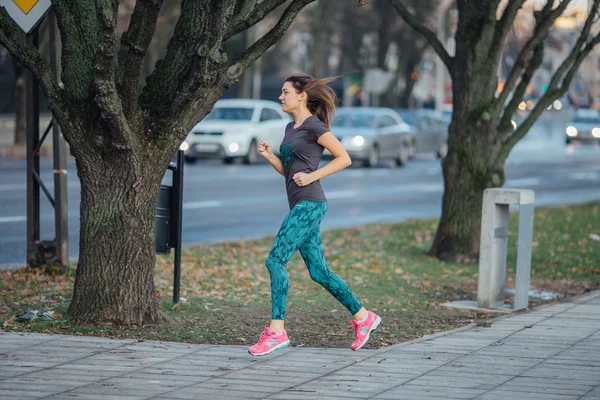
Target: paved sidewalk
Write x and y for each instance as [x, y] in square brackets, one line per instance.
[552, 353]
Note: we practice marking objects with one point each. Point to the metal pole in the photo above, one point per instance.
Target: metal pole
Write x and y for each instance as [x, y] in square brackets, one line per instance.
[177, 221]
[61, 221]
[33, 162]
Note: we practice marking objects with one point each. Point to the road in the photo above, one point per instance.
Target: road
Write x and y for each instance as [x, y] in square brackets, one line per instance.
[238, 202]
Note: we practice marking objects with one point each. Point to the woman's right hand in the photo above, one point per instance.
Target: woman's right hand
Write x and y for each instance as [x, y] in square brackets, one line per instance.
[264, 149]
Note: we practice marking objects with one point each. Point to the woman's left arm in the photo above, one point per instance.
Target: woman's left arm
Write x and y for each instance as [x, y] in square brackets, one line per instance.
[341, 160]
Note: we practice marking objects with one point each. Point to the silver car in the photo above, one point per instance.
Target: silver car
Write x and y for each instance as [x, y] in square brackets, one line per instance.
[585, 125]
[430, 128]
[372, 134]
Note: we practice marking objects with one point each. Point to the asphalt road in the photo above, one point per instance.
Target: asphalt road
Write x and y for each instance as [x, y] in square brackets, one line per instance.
[237, 201]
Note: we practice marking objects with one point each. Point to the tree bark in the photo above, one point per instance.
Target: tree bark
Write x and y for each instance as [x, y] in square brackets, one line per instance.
[115, 272]
[468, 169]
[472, 164]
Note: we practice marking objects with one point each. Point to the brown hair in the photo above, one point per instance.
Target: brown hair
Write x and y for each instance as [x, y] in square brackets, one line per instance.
[320, 97]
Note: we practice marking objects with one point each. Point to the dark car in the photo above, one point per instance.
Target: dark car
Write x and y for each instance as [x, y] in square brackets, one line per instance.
[430, 129]
[583, 126]
[372, 134]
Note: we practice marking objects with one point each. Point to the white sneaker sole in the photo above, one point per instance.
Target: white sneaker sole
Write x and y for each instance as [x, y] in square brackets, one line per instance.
[279, 346]
[373, 327]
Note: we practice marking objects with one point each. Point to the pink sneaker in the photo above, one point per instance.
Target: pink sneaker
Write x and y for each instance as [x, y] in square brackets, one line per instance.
[269, 341]
[364, 329]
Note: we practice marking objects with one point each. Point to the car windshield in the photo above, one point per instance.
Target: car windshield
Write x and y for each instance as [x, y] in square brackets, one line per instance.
[407, 116]
[587, 120]
[354, 120]
[587, 117]
[230, 114]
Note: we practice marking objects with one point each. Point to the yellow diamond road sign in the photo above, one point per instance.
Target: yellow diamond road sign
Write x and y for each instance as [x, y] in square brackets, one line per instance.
[26, 13]
[25, 5]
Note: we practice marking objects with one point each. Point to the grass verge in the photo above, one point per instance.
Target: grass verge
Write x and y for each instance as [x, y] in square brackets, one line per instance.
[228, 293]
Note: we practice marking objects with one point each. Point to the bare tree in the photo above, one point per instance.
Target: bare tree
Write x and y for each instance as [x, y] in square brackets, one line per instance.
[481, 135]
[410, 49]
[123, 135]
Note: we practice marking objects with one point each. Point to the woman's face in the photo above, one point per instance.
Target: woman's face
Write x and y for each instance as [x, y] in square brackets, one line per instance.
[290, 98]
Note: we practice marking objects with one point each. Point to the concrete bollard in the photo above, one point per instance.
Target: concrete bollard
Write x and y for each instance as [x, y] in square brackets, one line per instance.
[493, 246]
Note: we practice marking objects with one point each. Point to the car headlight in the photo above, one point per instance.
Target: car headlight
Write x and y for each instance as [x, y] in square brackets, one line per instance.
[596, 132]
[358, 141]
[557, 105]
[233, 147]
[571, 131]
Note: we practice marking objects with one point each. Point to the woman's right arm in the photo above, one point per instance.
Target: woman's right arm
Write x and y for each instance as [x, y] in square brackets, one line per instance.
[276, 163]
[264, 149]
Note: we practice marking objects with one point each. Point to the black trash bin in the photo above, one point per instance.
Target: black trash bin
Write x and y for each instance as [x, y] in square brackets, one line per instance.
[162, 220]
[167, 220]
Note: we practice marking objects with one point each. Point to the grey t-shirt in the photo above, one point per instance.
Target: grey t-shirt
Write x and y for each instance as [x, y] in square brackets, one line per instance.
[300, 152]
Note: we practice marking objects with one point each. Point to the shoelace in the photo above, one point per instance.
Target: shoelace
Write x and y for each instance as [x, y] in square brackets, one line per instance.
[263, 336]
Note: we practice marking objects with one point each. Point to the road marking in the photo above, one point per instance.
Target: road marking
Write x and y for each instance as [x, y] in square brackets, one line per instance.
[341, 194]
[21, 218]
[522, 182]
[584, 176]
[202, 204]
[14, 186]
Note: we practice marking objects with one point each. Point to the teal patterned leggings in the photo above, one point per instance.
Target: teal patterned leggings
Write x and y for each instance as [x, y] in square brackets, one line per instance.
[300, 230]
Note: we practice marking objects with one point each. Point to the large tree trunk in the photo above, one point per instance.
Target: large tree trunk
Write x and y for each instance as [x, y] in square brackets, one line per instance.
[473, 163]
[468, 170]
[115, 273]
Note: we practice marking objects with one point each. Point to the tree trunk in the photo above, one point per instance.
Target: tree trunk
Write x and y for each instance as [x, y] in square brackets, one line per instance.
[473, 163]
[115, 273]
[468, 170]
[20, 105]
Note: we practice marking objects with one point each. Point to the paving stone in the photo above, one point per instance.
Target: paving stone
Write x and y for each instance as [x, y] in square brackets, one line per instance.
[593, 394]
[423, 392]
[92, 396]
[499, 394]
[209, 394]
[482, 382]
[24, 394]
[206, 392]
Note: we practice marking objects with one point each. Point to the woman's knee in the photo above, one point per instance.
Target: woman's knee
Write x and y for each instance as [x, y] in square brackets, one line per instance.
[318, 275]
[273, 263]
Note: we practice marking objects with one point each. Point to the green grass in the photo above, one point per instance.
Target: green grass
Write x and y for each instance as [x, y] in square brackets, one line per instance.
[228, 293]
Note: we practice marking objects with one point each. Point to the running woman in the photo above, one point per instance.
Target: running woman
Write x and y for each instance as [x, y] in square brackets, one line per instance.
[311, 103]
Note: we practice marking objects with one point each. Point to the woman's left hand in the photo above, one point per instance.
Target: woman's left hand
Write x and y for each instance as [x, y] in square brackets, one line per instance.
[302, 179]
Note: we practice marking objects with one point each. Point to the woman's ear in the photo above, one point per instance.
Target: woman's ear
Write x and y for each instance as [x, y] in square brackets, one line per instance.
[302, 97]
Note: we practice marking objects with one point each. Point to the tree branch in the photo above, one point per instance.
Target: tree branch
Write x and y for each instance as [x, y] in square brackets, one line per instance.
[106, 96]
[545, 19]
[248, 13]
[192, 54]
[225, 77]
[561, 80]
[29, 57]
[423, 30]
[505, 125]
[508, 17]
[255, 51]
[134, 44]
